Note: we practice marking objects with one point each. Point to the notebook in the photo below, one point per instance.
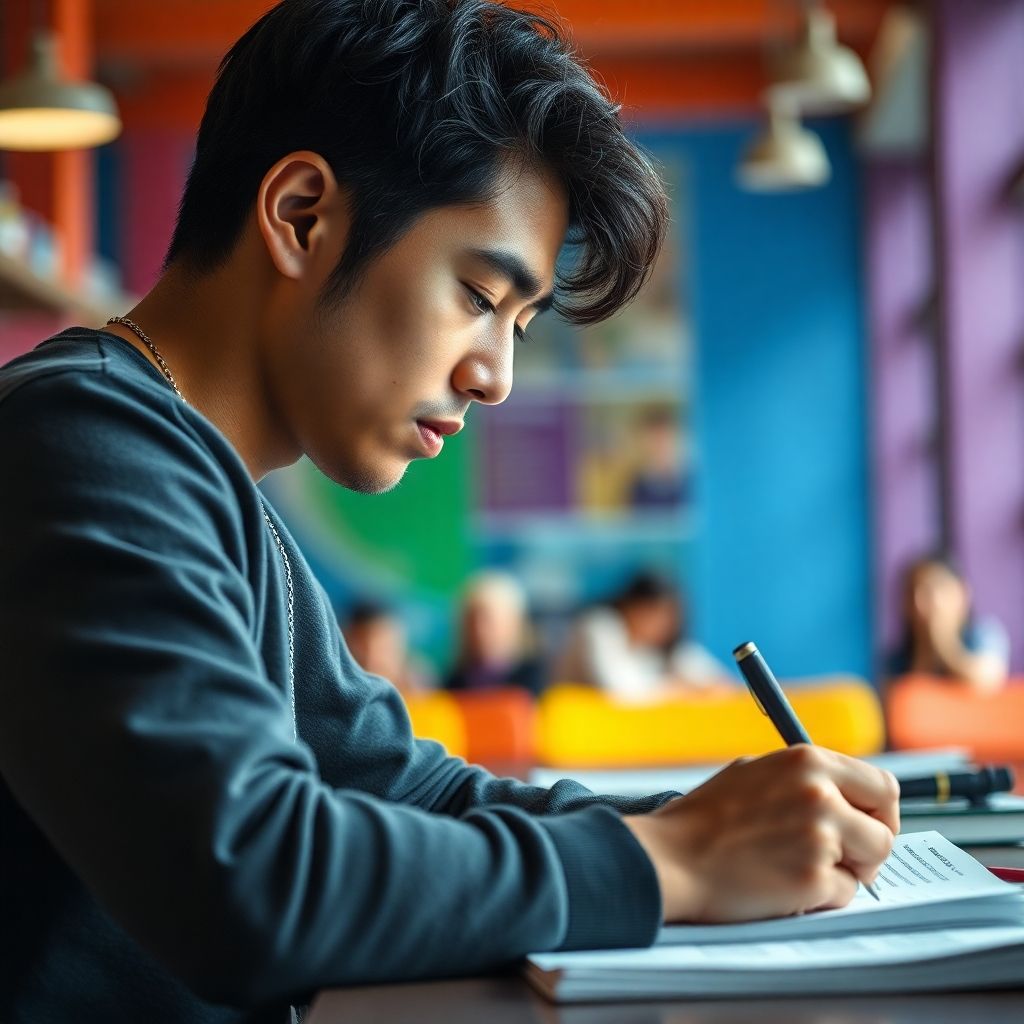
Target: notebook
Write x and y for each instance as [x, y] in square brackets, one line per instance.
[1000, 819]
[943, 922]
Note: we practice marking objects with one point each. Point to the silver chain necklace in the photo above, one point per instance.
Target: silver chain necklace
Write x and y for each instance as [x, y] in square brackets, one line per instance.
[285, 560]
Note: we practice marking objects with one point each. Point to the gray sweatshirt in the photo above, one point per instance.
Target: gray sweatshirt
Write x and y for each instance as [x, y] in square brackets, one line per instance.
[170, 851]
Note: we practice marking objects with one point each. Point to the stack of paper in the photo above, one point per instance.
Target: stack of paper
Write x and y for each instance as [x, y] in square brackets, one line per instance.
[999, 818]
[943, 922]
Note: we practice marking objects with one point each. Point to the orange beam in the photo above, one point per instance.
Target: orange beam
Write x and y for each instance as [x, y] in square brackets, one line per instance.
[658, 57]
[602, 26]
[74, 170]
[171, 100]
[669, 86]
[660, 85]
[184, 32]
[172, 32]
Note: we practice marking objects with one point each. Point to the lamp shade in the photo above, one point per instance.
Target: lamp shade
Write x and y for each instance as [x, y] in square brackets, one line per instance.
[785, 156]
[819, 75]
[39, 111]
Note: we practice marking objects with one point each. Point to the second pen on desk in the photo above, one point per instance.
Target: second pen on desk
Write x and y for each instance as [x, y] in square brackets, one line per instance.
[768, 695]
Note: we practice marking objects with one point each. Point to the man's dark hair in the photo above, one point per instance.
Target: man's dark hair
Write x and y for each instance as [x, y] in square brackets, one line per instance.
[418, 104]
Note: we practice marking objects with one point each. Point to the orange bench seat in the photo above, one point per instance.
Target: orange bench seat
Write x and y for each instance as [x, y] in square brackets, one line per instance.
[924, 711]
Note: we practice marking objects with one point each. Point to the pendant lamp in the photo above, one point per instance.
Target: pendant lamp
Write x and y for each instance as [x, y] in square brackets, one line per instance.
[819, 75]
[785, 156]
[41, 111]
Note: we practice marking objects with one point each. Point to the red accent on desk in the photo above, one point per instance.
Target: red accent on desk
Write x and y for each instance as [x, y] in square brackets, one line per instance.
[1008, 874]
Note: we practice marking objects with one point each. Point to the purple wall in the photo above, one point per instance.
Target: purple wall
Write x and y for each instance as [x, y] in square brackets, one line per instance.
[978, 148]
[902, 398]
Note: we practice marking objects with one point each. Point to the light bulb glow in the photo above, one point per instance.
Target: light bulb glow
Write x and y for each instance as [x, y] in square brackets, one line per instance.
[39, 129]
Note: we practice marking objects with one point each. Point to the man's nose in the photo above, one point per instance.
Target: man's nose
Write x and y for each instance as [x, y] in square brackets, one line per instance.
[486, 376]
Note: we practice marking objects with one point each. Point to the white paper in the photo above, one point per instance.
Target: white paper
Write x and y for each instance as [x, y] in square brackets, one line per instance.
[926, 882]
[924, 878]
[796, 955]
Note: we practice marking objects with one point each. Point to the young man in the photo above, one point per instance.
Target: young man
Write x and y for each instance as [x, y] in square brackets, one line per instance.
[209, 812]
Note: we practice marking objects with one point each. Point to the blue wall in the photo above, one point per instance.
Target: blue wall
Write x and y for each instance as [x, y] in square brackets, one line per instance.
[781, 554]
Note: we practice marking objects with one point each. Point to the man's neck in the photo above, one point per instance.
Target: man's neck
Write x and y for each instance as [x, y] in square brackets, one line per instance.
[208, 335]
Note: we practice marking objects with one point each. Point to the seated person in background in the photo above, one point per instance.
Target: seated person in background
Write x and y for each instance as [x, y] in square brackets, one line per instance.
[942, 636]
[634, 646]
[658, 480]
[494, 645]
[378, 642]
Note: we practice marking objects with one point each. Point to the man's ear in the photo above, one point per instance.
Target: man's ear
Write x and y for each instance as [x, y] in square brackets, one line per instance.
[299, 211]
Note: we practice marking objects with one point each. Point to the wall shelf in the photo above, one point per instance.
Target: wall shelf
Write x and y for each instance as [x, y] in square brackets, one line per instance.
[23, 290]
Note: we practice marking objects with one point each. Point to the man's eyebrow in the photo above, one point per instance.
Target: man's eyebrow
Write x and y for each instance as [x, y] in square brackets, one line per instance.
[514, 269]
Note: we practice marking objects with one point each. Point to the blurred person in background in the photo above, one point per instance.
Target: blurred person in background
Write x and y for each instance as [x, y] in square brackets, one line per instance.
[379, 642]
[941, 634]
[635, 647]
[658, 480]
[495, 646]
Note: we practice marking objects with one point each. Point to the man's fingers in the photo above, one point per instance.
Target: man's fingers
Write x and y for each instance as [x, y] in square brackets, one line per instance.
[866, 843]
[871, 790]
[842, 888]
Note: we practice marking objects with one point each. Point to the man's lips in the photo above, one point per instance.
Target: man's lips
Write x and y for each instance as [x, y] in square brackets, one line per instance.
[433, 433]
[443, 427]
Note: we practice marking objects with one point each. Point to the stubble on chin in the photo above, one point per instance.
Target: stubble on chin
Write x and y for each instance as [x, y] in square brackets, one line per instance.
[363, 479]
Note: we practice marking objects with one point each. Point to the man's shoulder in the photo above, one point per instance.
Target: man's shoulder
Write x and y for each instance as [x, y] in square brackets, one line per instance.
[84, 389]
[94, 439]
[79, 374]
[82, 356]
[86, 414]
[77, 354]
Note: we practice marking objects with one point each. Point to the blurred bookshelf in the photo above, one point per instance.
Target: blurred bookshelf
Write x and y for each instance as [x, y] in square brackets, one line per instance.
[24, 290]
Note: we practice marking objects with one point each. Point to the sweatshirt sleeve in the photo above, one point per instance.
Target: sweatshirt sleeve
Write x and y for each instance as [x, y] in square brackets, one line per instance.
[141, 734]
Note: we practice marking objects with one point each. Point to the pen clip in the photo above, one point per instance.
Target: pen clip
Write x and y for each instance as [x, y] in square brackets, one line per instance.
[757, 701]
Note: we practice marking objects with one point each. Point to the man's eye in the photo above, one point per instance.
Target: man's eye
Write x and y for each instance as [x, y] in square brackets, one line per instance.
[485, 306]
[479, 301]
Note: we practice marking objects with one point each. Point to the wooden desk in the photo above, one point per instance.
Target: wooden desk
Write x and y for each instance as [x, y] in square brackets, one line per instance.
[510, 1001]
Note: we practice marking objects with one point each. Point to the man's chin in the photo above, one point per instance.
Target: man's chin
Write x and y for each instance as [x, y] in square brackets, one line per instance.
[366, 479]
[376, 485]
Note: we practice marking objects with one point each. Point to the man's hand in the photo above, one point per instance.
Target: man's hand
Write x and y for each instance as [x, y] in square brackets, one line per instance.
[793, 831]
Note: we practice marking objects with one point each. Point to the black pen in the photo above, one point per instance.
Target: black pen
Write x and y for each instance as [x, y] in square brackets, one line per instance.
[975, 786]
[768, 696]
